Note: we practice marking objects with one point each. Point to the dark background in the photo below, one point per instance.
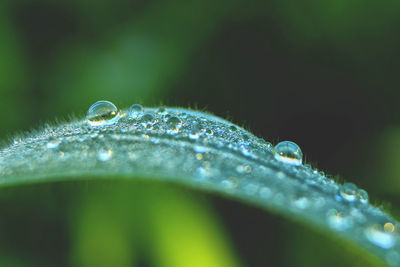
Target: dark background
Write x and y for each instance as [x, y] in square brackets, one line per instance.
[324, 74]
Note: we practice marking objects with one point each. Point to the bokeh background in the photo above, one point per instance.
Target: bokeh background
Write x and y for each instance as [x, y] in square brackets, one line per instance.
[324, 74]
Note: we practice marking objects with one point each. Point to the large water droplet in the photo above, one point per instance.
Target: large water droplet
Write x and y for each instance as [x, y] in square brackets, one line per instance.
[136, 111]
[289, 153]
[348, 192]
[381, 236]
[102, 113]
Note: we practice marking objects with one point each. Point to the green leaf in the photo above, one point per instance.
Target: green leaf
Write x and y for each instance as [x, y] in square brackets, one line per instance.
[206, 153]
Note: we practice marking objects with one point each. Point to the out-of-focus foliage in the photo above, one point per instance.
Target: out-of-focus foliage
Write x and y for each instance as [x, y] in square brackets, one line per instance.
[321, 73]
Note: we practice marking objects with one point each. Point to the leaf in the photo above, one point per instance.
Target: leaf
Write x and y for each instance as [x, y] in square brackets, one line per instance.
[206, 153]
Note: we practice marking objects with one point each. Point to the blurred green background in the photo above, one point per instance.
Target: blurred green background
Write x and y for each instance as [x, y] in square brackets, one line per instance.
[324, 74]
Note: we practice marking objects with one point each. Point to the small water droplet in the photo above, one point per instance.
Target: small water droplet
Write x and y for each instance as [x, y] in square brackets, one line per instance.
[348, 191]
[147, 118]
[251, 189]
[135, 111]
[53, 144]
[243, 168]
[301, 203]
[289, 153]
[230, 183]
[102, 113]
[162, 111]
[104, 155]
[337, 221]
[203, 172]
[245, 137]
[209, 132]
[174, 124]
[389, 227]
[377, 235]
[194, 133]
[200, 149]
[174, 121]
[265, 192]
[362, 196]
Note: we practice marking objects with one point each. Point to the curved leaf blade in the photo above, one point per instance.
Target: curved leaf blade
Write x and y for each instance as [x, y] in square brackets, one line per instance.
[203, 152]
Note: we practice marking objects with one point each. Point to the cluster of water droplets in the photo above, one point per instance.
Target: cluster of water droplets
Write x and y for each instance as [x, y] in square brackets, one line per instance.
[209, 152]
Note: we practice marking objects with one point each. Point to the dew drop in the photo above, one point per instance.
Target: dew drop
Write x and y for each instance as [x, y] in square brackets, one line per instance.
[148, 117]
[135, 111]
[301, 203]
[230, 183]
[194, 133]
[243, 169]
[265, 192]
[379, 235]
[174, 124]
[362, 196]
[53, 144]
[289, 153]
[389, 227]
[209, 132]
[337, 221]
[162, 111]
[104, 155]
[203, 172]
[174, 121]
[233, 128]
[102, 113]
[348, 191]
[251, 189]
[200, 149]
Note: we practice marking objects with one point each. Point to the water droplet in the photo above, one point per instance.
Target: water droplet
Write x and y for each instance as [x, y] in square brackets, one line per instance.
[102, 113]
[245, 137]
[265, 192]
[289, 153]
[209, 132]
[104, 155]
[194, 133]
[377, 235]
[389, 227]
[162, 111]
[174, 124]
[362, 196]
[348, 192]
[203, 172]
[174, 121]
[243, 168]
[230, 183]
[233, 128]
[53, 144]
[337, 221]
[200, 149]
[148, 117]
[251, 189]
[301, 203]
[135, 111]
